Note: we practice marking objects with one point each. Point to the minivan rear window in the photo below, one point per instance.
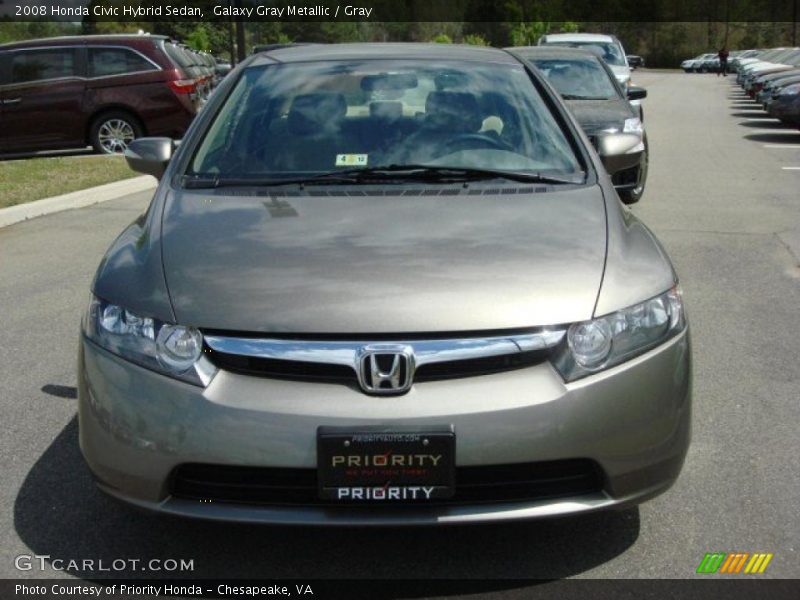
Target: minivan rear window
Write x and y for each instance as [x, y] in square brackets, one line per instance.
[38, 65]
[104, 62]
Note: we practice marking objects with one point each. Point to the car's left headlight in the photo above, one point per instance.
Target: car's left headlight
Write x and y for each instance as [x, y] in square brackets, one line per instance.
[592, 346]
[173, 350]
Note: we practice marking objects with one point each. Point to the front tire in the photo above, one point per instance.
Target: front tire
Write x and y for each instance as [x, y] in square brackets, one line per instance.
[111, 132]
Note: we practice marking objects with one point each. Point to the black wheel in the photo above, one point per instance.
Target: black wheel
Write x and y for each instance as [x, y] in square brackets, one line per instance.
[111, 132]
[634, 194]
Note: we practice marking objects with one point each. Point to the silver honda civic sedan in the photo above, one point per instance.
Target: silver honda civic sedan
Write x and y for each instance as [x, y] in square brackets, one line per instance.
[384, 284]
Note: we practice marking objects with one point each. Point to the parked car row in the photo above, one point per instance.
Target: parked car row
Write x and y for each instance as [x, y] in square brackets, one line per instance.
[710, 63]
[102, 91]
[772, 77]
[700, 63]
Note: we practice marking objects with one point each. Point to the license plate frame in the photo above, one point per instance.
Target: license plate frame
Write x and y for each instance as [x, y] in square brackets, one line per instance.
[379, 465]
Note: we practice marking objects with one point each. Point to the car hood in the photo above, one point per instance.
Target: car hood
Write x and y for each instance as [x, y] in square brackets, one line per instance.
[754, 67]
[595, 115]
[772, 68]
[343, 260]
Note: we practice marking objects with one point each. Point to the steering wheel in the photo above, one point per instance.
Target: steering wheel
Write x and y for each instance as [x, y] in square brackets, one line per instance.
[470, 141]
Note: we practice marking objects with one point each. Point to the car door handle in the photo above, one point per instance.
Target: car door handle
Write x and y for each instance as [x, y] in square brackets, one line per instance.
[12, 101]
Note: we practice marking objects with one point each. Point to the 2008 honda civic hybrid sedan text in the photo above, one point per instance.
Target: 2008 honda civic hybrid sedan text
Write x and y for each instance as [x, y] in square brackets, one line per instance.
[384, 284]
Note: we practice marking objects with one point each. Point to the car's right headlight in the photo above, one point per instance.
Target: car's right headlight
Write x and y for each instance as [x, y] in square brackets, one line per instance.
[601, 343]
[173, 350]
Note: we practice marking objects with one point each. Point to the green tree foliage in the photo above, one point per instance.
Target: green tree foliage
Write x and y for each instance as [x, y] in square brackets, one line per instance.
[473, 39]
[441, 38]
[198, 38]
[14, 31]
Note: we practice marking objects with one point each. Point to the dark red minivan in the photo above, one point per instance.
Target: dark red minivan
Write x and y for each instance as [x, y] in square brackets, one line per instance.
[102, 91]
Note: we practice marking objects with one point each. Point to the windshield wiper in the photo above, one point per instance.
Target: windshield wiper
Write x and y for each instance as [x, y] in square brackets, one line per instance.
[383, 173]
[433, 173]
[579, 97]
[195, 183]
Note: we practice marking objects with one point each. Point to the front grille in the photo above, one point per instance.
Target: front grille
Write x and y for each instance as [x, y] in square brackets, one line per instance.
[332, 373]
[281, 369]
[479, 366]
[270, 486]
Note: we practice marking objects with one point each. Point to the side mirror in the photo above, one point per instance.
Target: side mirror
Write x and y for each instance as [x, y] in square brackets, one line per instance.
[150, 155]
[619, 151]
[636, 93]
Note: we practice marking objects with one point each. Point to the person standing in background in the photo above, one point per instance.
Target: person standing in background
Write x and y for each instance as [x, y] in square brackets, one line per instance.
[723, 62]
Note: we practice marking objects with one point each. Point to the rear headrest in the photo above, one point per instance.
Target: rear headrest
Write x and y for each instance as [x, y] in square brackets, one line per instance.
[458, 111]
[386, 110]
[314, 113]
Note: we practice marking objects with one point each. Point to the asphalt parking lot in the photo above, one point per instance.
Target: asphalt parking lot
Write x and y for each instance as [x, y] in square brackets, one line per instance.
[723, 196]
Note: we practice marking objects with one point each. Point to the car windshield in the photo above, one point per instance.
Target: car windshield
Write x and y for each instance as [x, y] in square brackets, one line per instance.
[294, 119]
[577, 79]
[610, 52]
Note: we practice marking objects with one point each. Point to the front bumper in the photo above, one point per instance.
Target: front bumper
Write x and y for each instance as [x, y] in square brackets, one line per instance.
[633, 420]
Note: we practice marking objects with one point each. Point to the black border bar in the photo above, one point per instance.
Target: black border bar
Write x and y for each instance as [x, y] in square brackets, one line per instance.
[406, 10]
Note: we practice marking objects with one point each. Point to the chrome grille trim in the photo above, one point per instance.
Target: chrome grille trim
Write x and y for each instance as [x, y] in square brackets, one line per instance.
[347, 353]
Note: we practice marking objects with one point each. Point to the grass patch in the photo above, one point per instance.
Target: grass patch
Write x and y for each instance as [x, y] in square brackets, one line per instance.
[36, 178]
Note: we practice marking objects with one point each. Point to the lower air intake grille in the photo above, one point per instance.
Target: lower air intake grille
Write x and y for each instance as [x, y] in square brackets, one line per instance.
[474, 485]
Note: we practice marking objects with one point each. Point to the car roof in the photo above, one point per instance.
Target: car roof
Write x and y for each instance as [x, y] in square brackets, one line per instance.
[553, 52]
[579, 37]
[378, 51]
[82, 39]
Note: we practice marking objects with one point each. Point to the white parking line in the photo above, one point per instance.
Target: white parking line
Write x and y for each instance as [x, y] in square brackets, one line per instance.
[791, 168]
[783, 146]
[762, 119]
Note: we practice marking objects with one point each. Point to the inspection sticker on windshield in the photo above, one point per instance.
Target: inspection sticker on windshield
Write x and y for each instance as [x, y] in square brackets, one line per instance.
[351, 160]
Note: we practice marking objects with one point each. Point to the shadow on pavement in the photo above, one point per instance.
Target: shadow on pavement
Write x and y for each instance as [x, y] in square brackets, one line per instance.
[61, 391]
[59, 512]
[777, 125]
[788, 136]
[749, 113]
